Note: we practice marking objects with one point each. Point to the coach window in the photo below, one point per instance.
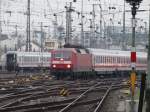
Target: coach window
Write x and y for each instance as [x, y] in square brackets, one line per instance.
[118, 59]
[114, 60]
[19, 58]
[28, 58]
[138, 60]
[25, 59]
[128, 60]
[102, 59]
[141, 61]
[144, 61]
[125, 60]
[106, 59]
[32, 59]
[122, 60]
[111, 60]
[97, 59]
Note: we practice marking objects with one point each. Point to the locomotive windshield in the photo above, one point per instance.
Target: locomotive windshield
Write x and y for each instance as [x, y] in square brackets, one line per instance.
[62, 54]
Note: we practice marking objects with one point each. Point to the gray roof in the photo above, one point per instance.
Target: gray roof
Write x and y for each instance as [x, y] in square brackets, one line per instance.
[3, 37]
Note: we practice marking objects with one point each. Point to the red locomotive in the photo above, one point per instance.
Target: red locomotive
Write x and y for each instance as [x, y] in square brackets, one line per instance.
[66, 61]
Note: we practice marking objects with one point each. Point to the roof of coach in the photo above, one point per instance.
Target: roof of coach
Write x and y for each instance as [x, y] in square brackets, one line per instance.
[115, 53]
[75, 50]
[65, 49]
[22, 53]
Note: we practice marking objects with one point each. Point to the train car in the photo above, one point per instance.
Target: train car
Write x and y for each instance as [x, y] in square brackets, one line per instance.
[78, 61]
[18, 60]
[3, 62]
[70, 61]
[115, 61]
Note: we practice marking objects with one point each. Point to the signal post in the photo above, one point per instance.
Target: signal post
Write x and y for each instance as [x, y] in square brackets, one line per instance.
[135, 5]
[147, 97]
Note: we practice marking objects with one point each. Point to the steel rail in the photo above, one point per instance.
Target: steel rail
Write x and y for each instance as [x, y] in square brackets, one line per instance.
[103, 99]
[79, 97]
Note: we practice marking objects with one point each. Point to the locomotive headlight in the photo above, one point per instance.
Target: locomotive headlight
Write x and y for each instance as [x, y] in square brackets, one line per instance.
[68, 66]
[54, 66]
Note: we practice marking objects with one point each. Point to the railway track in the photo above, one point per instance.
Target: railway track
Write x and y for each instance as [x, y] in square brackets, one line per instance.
[46, 96]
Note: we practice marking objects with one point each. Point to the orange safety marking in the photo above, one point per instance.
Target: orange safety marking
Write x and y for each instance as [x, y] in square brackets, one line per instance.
[133, 80]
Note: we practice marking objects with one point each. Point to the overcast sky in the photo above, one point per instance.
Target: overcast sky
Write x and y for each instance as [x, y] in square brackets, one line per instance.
[43, 10]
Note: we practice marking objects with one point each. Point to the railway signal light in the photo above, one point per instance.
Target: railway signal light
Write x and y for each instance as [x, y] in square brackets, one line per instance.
[137, 2]
[74, 0]
[133, 56]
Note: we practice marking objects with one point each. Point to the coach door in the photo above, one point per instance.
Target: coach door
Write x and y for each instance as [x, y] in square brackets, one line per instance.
[11, 62]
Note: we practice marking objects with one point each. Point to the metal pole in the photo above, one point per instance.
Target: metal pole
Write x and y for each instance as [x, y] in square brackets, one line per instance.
[145, 23]
[93, 26]
[0, 20]
[100, 21]
[133, 26]
[41, 36]
[82, 36]
[67, 36]
[142, 89]
[16, 27]
[123, 37]
[147, 96]
[133, 51]
[68, 23]
[55, 27]
[29, 27]
[28, 42]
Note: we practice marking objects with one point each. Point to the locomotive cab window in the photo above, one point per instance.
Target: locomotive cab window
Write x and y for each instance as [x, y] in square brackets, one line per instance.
[63, 54]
